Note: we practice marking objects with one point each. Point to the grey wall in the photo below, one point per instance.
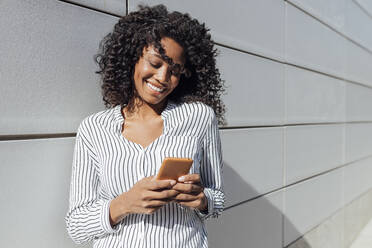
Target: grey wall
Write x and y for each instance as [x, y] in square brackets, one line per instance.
[299, 76]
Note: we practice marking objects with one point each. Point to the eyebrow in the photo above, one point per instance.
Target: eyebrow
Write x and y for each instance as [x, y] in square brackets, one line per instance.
[156, 55]
[159, 56]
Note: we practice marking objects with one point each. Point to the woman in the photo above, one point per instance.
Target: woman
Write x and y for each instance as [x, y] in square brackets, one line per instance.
[160, 80]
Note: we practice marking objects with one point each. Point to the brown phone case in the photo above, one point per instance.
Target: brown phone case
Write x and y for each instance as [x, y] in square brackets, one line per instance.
[173, 168]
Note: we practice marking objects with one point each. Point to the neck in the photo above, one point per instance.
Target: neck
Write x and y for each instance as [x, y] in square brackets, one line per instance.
[144, 111]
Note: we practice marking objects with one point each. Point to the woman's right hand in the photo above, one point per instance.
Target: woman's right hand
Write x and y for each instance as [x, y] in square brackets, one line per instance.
[145, 197]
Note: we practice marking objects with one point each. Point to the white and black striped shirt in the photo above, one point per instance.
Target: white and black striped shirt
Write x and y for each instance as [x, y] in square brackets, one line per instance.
[106, 164]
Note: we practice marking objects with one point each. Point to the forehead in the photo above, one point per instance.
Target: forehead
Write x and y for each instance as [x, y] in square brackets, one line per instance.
[172, 49]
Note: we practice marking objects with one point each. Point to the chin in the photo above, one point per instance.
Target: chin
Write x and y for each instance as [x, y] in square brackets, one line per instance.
[152, 101]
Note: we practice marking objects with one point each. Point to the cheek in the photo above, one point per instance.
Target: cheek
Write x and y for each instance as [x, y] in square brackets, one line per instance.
[175, 83]
[141, 72]
[146, 72]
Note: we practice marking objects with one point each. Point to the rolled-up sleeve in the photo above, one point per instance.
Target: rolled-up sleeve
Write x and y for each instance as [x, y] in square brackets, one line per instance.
[211, 170]
[88, 214]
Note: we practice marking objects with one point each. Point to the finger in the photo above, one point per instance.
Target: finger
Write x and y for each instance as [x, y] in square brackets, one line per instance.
[154, 204]
[164, 194]
[185, 197]
[187, 188]
[190, 204]
[190, 178]
[148, 210]
[161, 184]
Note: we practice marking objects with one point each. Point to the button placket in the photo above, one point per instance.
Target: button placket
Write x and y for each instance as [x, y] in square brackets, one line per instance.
[145, 161]
[142, 231]
[141, 165]
[142, 224]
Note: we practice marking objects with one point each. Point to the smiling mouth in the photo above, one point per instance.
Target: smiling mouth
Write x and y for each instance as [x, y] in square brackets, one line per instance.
[153, 87]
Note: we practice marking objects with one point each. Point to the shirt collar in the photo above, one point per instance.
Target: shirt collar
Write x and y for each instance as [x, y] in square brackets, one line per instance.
[119, 119]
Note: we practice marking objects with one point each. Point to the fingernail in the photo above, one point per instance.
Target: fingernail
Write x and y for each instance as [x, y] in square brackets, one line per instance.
[172, 182]
[181, 179]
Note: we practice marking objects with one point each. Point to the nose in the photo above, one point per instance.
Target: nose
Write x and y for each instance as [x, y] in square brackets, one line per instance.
[162, 74]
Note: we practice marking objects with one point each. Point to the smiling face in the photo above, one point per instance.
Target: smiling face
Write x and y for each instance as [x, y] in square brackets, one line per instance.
[154, 79]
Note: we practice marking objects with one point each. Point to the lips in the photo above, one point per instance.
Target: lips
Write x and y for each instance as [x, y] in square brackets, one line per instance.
[155, 87]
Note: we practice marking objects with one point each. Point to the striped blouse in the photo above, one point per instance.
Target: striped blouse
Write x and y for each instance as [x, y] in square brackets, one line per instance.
[106, 164]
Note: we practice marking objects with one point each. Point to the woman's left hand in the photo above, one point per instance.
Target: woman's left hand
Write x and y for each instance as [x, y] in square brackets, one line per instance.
[190, 192]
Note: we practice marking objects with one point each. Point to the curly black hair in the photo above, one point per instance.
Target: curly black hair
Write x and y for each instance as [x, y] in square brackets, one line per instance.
[120, 50]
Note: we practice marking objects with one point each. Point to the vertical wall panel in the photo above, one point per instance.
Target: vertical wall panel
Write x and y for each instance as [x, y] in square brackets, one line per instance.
[358, 141]
[328, 234]
[255, 224]
[311, 44]
[359, 23]
[241, 24]
[34, 180]
[358, 103]
[47, 72]
[359, 64]
[313, 97]
[253, 96]
[357, 179]
[331, 12]
[253, 160]
[117, 7]
[350, 17]
[366, 5]
[309, 203]
[312, 149]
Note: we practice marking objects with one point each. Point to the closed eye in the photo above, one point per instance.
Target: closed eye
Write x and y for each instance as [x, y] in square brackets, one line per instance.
[174, 70]
[155, 65]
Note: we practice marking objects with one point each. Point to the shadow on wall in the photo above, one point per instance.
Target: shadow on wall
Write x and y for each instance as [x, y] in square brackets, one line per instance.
[255, 223]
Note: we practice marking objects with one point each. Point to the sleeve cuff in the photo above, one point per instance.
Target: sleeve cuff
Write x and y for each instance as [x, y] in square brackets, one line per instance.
[206, 214]
[105, 219]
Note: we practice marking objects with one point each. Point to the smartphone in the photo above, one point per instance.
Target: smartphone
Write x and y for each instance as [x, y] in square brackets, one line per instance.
[173, 168]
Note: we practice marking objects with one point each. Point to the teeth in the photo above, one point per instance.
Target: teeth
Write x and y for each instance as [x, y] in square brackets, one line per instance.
[154, 87]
